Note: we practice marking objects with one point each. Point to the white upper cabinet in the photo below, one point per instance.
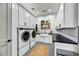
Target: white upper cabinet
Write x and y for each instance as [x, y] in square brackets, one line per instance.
[59, 17]
[67, 15]
[78, 14]
[70, 15]
[32, 21]
[26, 19]
[23, 17]
[35, 21]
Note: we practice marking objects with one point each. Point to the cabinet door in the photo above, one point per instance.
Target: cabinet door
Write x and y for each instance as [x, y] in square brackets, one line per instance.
[41, 39]
[27, 19]
[34, 23]
[60, 20]
[46, 39]
[70, 15]
[31, 21]
[22, 16]
[61, 16]
[33, 43]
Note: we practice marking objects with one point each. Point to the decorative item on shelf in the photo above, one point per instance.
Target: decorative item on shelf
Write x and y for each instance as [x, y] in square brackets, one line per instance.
[42, 21]
[46, 21]
[45, 25]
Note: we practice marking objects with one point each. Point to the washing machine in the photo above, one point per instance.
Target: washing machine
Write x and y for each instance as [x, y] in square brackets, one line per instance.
[33, 37]
[23, 41]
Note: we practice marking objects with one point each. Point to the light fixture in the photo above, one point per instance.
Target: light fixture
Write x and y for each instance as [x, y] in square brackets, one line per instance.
[37, 12]
[33, 8]
[49, 10]
[44, 10]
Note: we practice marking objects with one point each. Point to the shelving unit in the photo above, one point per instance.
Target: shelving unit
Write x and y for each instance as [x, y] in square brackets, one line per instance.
[45, 25]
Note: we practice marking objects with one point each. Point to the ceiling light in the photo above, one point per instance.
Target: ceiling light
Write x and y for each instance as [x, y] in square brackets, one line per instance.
[49, 10]
[44, 10]
[33, 8]
[37, 12]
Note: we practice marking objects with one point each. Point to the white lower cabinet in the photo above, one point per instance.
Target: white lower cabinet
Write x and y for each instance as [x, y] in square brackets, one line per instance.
[45, 38]
[24, 50]
[23, 17]
[64, 46]
[33, 43]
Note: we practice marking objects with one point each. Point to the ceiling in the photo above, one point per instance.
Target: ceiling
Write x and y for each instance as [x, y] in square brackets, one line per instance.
[41, 9]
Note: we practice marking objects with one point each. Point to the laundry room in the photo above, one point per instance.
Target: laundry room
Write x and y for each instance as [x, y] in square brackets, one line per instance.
[39, 29]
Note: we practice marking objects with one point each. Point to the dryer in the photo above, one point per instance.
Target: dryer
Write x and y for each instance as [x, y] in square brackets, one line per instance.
[23, 40]
[33, 38]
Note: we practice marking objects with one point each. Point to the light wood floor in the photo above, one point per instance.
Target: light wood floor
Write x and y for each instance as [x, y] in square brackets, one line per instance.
[40, 50]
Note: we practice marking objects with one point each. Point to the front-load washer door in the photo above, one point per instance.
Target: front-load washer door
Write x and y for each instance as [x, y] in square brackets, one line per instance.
[25, 36]
[24, 39]
[33, 34]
